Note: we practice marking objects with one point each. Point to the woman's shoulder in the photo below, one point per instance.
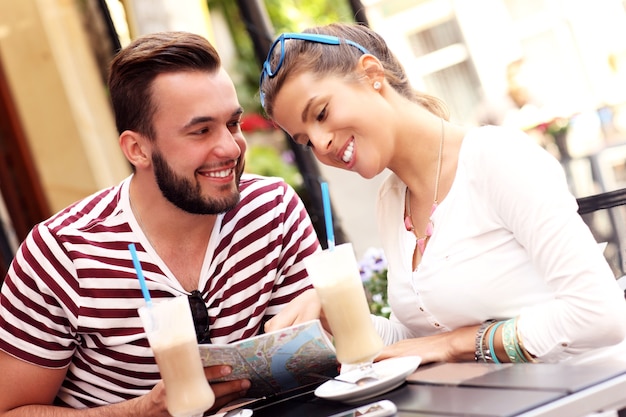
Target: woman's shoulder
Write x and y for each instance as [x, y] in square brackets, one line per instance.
[490, 135]
[488, 143]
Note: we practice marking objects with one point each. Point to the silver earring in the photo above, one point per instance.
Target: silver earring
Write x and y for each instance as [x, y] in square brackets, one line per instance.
[376, 85]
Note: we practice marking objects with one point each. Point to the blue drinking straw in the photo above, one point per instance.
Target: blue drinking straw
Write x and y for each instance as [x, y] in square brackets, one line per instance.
[142, 280]
[328, 218]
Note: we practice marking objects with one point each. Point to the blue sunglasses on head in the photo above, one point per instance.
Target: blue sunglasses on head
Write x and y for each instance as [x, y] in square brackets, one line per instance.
[270, 72]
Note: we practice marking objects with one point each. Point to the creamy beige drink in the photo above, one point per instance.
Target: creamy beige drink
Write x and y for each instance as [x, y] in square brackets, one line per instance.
[171, 334]
[335, 276]
[188, 392]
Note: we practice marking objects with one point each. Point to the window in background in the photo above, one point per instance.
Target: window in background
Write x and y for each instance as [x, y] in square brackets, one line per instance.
[452, 77]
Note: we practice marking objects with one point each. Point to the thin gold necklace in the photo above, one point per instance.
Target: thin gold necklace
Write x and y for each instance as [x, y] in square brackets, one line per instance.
[408, 220]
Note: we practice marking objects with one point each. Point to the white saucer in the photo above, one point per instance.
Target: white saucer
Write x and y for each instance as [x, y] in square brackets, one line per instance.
[391, 373]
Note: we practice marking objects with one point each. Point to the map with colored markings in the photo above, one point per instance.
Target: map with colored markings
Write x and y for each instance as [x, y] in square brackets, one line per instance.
[277, 361]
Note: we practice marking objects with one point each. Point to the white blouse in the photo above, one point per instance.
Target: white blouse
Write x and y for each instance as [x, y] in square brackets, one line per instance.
[507, 242]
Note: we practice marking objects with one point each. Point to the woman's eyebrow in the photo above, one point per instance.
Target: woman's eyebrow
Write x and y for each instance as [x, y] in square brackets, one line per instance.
[307, 107]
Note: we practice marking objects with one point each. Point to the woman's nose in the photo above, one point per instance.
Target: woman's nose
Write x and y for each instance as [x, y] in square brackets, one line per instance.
[322, 141]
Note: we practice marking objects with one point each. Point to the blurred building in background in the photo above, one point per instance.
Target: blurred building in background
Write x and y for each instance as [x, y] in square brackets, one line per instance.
[573, 50]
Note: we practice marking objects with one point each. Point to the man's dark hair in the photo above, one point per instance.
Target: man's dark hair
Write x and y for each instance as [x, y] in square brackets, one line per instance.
[135, 67]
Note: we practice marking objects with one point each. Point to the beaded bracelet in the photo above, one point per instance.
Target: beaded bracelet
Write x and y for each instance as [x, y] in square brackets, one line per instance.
[487, 353]
[479, 352]
[509, 340]
[491, 336]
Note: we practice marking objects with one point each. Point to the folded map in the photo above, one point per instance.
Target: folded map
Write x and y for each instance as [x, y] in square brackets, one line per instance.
[277, 361]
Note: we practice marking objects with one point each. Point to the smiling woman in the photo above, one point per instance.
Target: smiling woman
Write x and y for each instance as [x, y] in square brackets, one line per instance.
[446, 290]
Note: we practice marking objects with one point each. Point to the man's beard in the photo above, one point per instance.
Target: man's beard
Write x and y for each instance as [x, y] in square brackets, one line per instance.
[186, 195]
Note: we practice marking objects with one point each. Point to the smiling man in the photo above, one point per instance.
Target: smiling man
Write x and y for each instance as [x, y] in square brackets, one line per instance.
[71, 341]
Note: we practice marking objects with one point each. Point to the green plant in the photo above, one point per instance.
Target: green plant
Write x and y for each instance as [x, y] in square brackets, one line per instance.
[269, 161]
[296, 15]
[373, 269]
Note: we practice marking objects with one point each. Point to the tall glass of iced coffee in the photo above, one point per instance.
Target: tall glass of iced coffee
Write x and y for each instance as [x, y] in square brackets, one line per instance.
[170, 331]
[335, 276]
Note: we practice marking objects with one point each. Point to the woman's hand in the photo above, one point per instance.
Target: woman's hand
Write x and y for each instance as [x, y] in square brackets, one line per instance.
[303, 308]
[455, 346]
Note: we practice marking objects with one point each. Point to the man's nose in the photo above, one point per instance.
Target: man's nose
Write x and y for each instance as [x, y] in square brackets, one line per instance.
[228, 145]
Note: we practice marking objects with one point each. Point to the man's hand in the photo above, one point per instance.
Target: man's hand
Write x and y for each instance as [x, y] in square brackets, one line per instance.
[303, 308]
[18, 397]
[228, 391]
[153, 404]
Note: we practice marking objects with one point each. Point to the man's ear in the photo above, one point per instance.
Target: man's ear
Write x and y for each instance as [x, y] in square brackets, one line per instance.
[372, 68]
[135, 147]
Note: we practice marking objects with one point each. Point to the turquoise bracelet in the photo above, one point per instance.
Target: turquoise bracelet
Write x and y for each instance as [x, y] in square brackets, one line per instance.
[518, 344]
[509, 340]
[491, 336]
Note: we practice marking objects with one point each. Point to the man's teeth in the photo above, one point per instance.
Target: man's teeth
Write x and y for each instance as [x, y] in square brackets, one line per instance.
[220, 174]
[347, 155]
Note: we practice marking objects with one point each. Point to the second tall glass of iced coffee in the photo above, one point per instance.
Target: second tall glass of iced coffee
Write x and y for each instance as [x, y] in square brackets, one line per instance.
[335, 276]
[170, 331]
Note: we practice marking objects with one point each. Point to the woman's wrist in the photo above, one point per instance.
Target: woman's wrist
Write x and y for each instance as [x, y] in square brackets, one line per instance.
[462, 344]
[482, 353]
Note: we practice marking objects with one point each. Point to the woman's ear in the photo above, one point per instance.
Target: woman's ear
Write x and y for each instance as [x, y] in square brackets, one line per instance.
[134, 145]
[373, 70]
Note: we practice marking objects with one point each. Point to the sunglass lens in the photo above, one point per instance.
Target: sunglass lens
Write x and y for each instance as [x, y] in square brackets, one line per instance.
[200, 316]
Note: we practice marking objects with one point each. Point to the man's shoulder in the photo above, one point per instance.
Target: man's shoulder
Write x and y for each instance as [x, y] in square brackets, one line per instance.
[83, 213]
[248, 179]
[254, 185]
[264, 194]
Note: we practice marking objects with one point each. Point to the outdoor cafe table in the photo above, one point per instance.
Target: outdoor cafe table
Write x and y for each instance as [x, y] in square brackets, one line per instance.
[457, 389]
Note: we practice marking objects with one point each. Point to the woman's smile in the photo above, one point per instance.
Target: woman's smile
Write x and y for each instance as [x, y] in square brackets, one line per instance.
[348, 152]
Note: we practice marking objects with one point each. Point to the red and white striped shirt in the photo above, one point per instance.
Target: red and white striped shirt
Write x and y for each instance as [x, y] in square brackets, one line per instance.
[71, 295]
